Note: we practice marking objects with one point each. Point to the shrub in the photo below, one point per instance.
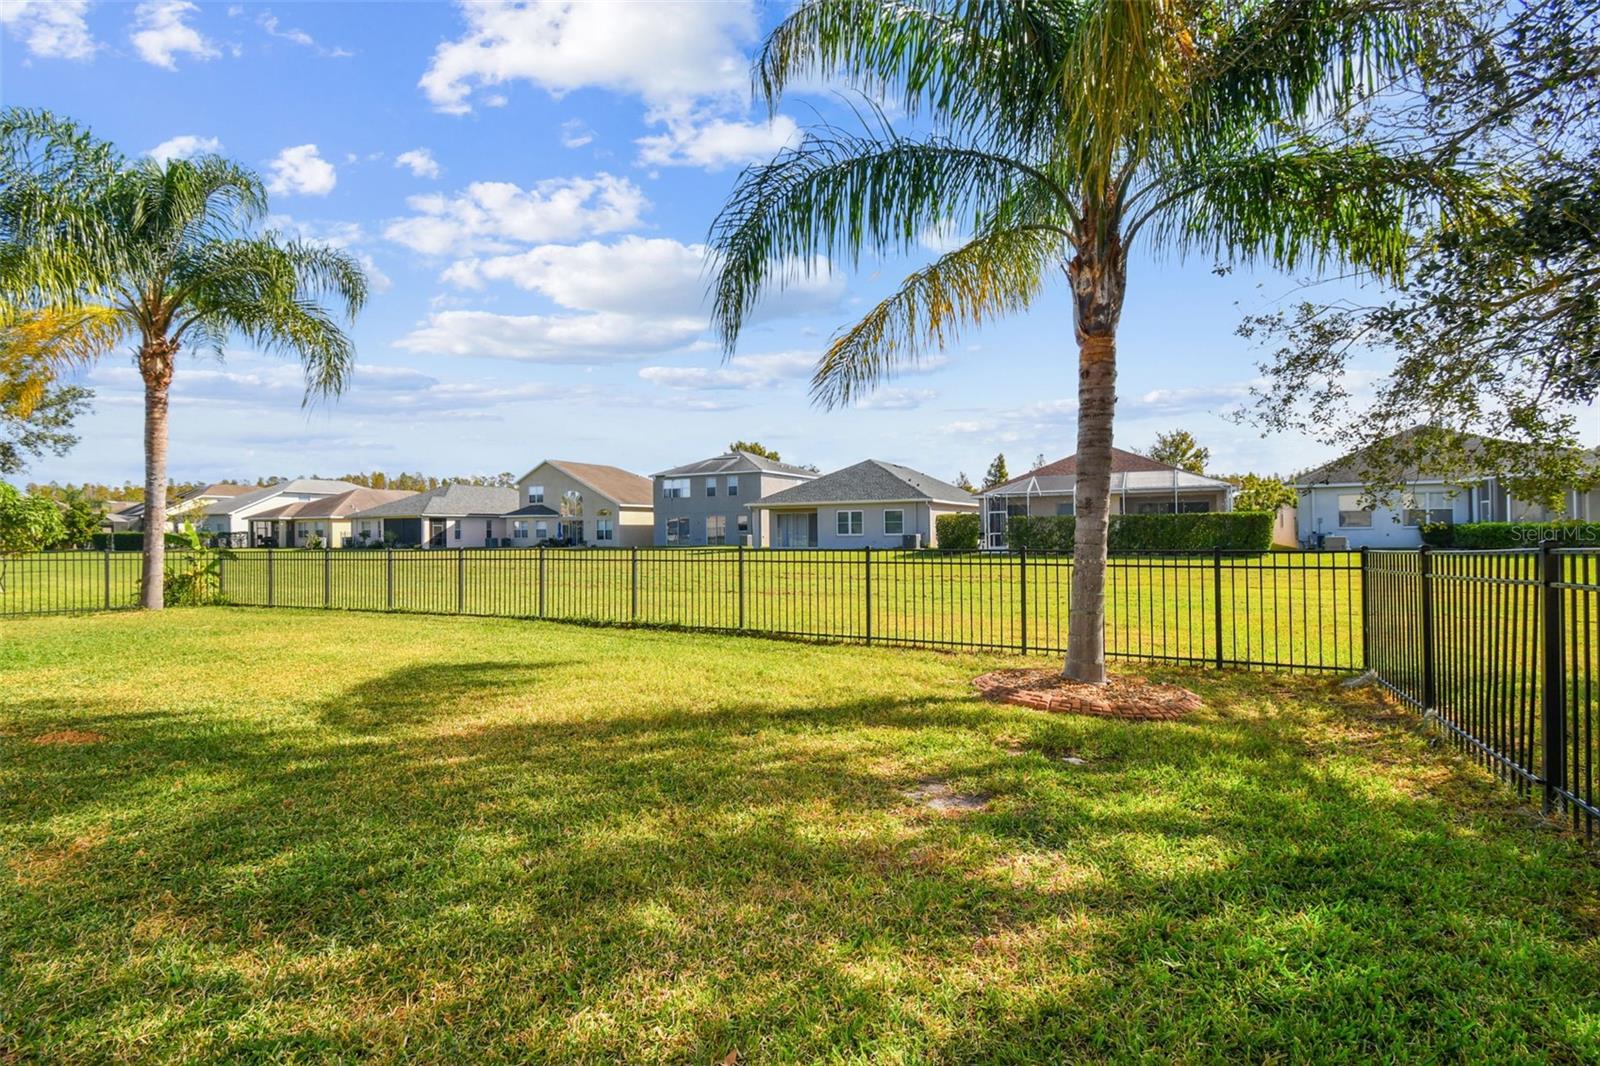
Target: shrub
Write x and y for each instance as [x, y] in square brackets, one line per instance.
[1228, 530]
[1489, 535]
[132, 542]
[194, 577]
[958, 532]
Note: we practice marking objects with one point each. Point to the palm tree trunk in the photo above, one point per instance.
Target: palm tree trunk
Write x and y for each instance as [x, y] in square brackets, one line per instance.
[1097, 402]
[155, 366]
[1098, 283]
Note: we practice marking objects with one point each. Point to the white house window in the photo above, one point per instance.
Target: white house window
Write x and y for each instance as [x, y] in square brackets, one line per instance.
[1066, 510]
[541, 530]
[717, 529]
[894, 522]
[458, 529]
[733, 485]
[675, 488]
[519, 529]
[677, 530]
[535, 493]
[1423, 507]
[849, 523]
[1355, 511]
[602, 529]
[711, 486]
[744, 524]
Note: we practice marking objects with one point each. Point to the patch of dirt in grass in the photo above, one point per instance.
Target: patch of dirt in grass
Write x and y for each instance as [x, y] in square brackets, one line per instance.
[55, 861]
[69, 737]
[937, 795]
[1131, 698]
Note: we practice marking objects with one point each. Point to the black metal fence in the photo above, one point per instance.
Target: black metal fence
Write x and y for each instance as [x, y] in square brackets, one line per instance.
[1502, 650]
[1292, 610]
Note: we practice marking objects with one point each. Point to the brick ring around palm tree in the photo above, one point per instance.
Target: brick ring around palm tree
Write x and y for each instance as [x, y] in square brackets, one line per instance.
[1120, 697]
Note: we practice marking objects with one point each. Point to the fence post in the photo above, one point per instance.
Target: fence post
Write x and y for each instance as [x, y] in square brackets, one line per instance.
[1554, 681]
[269, 578]
[461, 580]
[327, 578]
[108, 575]
[388, 579]
[741, 586]
[868, 558]
[1366, 617]
[1425, 568]
[1216, 598]
[633, 585]
[541, 581]
[1022, 592]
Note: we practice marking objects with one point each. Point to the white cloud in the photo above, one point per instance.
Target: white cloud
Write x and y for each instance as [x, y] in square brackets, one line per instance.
[893, 398]
[740, 372]
[575, 133]
[301, 170]
[659, 51]
[419, 161]
[714, 143]
[184, 146]
[490, 214]
[50, 29]
[160, 33]
[942, 239]
[269, 22]
[584, 339]
[637, 274]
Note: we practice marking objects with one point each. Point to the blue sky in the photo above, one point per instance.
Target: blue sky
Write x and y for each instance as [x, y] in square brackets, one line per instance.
[530, 189]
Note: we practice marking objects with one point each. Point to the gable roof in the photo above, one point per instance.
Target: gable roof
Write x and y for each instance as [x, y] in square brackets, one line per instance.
[310, 486]
[448, 501]
[1352, 468]
[735, 463]
[1130, 472]
[872, 481]
[218, 490]
[622, 487]
[340, 506]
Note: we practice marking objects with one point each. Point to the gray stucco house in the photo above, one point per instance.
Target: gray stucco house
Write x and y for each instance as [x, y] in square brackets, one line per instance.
[709, 502]
[1334, 503]
[873, 504]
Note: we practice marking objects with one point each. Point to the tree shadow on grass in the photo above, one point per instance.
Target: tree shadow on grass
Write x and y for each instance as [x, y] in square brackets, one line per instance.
[429, 691]
[737, 874]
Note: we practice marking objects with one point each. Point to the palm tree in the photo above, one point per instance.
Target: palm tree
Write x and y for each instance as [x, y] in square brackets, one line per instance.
[96, 250]
[1061, 133]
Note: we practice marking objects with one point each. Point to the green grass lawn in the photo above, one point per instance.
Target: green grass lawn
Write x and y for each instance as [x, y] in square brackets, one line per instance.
[302, 835]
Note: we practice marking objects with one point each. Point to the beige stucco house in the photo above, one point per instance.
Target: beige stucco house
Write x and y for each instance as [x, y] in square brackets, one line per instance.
[581, 503]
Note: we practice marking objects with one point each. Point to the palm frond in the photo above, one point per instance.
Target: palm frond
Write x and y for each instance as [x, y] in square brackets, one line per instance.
[995, 274]
[840, 195]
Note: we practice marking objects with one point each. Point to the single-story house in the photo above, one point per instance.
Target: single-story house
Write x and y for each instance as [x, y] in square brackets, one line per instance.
[191, 506]
[1139, 485]
[230, 517]
[709, 502]
[1334, 503]
[450, 516]
[872, 504]
[581, 503]
[324, 520]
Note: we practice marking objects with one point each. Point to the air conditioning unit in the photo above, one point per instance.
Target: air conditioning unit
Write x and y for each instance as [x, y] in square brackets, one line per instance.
[911, 542]
[748, 540]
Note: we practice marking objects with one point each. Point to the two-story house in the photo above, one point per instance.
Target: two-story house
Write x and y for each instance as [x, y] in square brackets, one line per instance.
[709, 502]
[580, 503]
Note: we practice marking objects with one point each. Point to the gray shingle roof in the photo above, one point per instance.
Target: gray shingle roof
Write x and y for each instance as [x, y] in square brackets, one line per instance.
[737, 463]
[447, 501]
[869, 482]
[534, 510]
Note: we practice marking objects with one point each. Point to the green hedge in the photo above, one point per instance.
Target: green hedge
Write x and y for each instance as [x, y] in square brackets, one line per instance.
[132, 542]
[1229, 530]
[958, 532]
[1510, 534]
